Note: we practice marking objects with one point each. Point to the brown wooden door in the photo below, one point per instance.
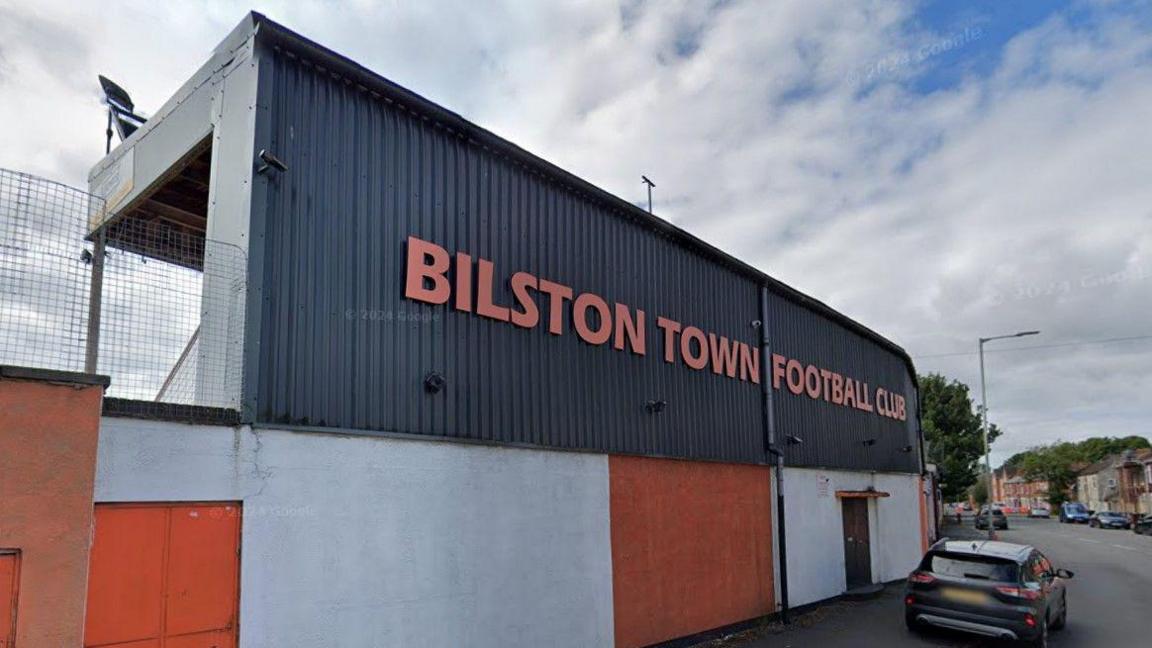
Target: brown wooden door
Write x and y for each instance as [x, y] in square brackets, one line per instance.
[857, 549]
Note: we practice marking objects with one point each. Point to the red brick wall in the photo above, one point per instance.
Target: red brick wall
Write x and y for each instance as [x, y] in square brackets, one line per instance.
[48, 434]
[691, 546]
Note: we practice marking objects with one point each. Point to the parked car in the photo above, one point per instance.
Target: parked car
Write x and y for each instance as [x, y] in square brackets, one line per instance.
[1143, 525]
[1073, 512]
[1039, 512]
[966, 506]
[1110, 520]
[998, 519]
[995, 589]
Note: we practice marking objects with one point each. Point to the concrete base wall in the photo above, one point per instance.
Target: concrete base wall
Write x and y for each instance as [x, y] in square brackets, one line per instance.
[815, 529]
[363, 541]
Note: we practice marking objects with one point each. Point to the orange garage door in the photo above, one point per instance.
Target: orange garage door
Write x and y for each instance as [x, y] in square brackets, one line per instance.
[164, 576]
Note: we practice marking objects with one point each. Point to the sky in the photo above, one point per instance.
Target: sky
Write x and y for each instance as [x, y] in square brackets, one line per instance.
[940, 171]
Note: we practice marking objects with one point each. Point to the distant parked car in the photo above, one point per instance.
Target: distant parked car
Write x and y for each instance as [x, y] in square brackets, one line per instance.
[1074, 513]
[966, 506]
[993, 589]
[997, 519]
[1039, 512]
[1143, 525]
[1110, 520]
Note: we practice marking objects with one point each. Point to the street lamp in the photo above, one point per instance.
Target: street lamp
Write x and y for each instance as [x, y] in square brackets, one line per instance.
[984, 417]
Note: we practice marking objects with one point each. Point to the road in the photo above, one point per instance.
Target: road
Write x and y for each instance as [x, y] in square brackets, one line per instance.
[1108, 599]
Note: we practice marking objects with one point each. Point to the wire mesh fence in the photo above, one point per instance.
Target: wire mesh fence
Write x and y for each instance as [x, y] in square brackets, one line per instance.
[171, 314]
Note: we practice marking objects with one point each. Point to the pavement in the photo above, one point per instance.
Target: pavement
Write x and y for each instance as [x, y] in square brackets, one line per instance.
[1109, 599]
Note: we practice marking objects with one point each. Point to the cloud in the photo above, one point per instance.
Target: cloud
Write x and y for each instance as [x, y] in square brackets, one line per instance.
[1012, 195]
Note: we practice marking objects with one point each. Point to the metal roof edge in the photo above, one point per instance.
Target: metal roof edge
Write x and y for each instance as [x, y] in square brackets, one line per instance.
[275, 34]
[227, 47]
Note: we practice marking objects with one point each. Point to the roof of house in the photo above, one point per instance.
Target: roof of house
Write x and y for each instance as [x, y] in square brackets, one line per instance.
[1006, 472]
[1142, 454]
[1103, 464]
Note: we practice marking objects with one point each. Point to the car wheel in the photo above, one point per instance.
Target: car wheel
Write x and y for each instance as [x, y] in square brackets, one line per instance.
[910, 621]
[1041, 641]
[1061, 620]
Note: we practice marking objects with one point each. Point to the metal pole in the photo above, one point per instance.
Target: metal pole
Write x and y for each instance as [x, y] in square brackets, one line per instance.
[650, 184]
[95, 301]
[108, 134]
[770, 437]
[984, 425]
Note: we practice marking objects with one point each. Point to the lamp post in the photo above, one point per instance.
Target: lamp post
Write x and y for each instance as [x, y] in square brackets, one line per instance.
[984, 418]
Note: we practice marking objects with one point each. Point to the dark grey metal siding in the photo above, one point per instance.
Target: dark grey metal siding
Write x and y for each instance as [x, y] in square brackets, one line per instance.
[337, 345]
[341, 347]
[833, 436]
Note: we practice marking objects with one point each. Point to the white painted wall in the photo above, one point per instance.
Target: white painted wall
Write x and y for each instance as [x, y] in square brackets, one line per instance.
[815, 529]
[362, 541]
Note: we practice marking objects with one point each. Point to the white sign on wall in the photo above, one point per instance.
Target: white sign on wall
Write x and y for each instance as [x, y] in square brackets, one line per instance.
[823, 486]
[113, 187]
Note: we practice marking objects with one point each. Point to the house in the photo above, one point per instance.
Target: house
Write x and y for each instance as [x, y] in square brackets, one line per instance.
[1118, 482]
[1017, 492]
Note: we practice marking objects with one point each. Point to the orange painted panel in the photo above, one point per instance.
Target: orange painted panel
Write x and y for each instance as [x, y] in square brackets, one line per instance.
[164, 576]
[224, 639]
[691, 546]
[202, 568]
[144, 643]
[924, 540]
[126, 575]
[48, 438]
[9, 595]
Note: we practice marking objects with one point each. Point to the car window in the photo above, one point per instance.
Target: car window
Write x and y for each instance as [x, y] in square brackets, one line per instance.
[978, 567]
[1038, 569]
[1031, 571]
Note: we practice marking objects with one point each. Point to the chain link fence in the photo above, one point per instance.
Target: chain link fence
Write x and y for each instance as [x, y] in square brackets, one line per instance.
[172, 308]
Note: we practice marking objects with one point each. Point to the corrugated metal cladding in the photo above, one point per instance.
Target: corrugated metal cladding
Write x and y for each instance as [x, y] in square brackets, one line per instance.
[340, 346]
[834, 436]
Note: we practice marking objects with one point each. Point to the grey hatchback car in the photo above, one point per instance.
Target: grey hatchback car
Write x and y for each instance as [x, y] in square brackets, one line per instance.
[989, 588]
[997, 519]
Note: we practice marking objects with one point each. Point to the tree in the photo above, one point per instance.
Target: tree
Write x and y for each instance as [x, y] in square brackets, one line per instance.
[979, 491]
[1055, 464]
[953, 433]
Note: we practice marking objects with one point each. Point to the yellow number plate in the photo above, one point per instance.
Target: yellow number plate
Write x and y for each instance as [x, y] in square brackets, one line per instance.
[965, 596]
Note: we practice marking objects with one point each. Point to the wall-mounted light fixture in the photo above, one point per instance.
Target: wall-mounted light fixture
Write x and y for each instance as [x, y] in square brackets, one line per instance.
[434, 383]
[869, 442]
[270, 161]
[655, 406]
[906, 448]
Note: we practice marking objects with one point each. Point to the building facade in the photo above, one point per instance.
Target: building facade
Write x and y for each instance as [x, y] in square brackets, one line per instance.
[1118, 483]
[1016, 492]
[480, 401]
